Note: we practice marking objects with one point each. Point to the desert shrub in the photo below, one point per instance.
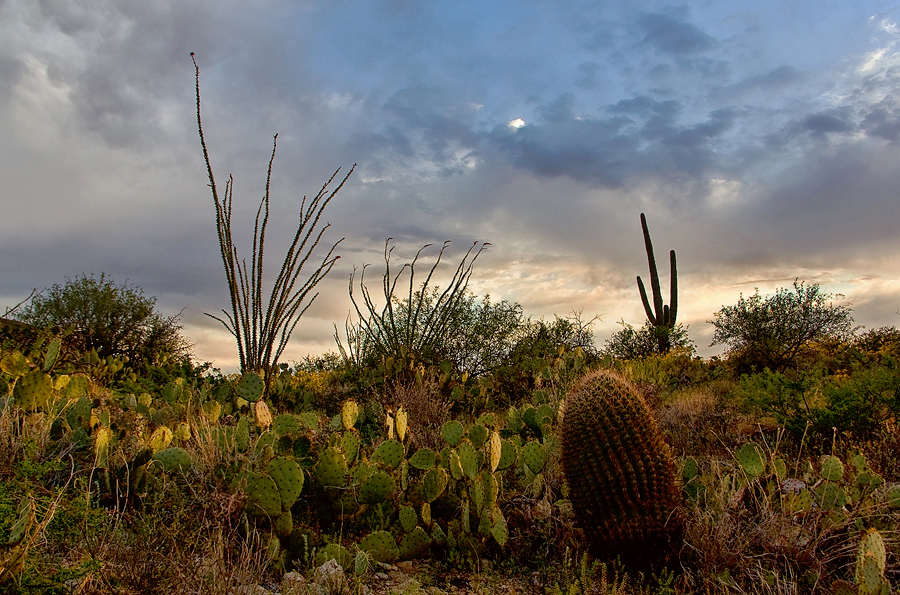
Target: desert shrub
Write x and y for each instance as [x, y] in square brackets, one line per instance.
[114, 320]
[631, 343]
[861, 402]
[813, 403]
[774, 332]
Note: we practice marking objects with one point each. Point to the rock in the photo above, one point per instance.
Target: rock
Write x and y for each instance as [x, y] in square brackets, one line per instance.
[294, 583]
[329, 576]
[405, 566]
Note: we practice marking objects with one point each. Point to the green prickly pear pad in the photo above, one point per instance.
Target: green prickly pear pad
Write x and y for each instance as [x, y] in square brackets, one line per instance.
[33, 390]
[434, 483]
[535, 456]
[478, 434]
[174, 459]
[288, 476]
[250, 387]
[377, 488]
[389, 452]
[286, 424]
[262, 493]
[751, 458]
[350, 445]
[832, 469]
[381, 546]
[468, 458]
[452, 432]
[508, 454]
[414, 544]
[331, 468]
[424, 458]
[408, 518]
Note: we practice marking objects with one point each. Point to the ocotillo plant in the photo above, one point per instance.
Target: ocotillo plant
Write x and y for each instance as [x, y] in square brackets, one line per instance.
[662, 317]
[255, 324]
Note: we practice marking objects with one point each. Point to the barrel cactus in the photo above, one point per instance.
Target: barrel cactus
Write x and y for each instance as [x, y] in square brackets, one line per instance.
[620, 472]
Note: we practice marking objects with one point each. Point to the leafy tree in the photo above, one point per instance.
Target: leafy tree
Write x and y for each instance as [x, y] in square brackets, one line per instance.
[632, 343]
[117, 320]
[774, 332]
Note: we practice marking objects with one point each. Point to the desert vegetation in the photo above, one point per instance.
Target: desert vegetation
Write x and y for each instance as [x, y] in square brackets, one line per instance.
[449, 444]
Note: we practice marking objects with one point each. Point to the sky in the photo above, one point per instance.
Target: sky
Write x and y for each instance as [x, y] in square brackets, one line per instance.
[760, 139]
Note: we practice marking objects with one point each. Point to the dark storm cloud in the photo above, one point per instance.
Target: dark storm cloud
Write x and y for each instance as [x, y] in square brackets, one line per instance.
[641, 137]
[836, 120]
[673, 36]
[778, 78]
[883, 119]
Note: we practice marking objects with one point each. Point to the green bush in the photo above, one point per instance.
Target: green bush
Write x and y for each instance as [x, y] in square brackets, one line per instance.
[114, 320]
[775, 332]
[817, 404]
[631, 343]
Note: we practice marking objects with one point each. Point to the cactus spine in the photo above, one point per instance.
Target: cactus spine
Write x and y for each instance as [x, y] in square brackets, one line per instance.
[620, 472]
[662, 317]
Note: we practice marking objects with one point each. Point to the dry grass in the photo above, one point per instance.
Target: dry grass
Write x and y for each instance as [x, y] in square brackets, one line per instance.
[428, 411]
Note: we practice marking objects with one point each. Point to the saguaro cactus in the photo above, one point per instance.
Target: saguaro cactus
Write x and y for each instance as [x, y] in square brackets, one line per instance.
[661, 316]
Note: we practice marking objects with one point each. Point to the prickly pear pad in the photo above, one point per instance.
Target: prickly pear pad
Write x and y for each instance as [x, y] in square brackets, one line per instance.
[262, 493]
[535, 456]
[250, 387]
[389, 452]
[377, 488]
[174, 459]
[452, 432]
[414, 544]
[288, 477]
[424, 458]
[752, 459]
[331, 468]
[381, 546]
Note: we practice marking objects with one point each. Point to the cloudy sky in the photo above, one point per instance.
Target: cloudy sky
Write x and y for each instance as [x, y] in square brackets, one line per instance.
[761, 139]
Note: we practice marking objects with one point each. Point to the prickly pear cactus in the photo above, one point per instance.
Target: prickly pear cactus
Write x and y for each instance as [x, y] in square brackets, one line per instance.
[414, 544]
[52, 354]
[263, 498]
[831, 468]
[434, 483]
[752, 459]
[349, 414]
[870, 563]
[33, 390]
[377, 488]
[478, 435]
[401, 420]
[381, 546]
[174, 459]
[288, 477]
[389, 452]
[250, 387]
[331, 468]
[452, 432]
[424, 459]
[620, 472]
[535, 456]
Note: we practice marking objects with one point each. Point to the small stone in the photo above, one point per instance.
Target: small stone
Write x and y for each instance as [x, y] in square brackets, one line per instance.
[381, 576]
[405, 566]
[330, 576]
